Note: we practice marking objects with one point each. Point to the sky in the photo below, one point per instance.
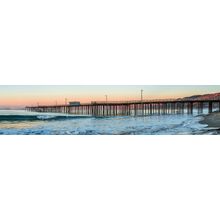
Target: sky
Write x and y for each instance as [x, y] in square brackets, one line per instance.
[31, 95]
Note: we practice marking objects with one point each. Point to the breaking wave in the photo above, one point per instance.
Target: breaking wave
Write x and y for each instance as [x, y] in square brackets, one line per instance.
[38, 117]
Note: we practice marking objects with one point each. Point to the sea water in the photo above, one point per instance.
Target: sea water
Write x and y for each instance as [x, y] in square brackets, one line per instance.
[17, 122]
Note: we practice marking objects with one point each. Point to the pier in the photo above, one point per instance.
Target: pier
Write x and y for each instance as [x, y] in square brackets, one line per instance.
[132, 108]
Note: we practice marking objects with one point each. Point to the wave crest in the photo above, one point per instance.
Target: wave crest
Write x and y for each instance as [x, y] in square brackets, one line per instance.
[38, 117]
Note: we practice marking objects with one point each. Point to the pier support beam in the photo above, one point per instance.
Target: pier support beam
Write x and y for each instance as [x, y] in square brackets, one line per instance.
[190, 108]
[150, 109]
[210, 107]
[200, 107]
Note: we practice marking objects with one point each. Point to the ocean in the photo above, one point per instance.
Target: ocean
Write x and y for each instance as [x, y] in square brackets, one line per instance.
[20, 122]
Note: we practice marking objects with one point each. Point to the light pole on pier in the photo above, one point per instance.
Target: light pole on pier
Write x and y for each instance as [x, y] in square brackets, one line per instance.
[106, 98]
[142, 94]
[65, 101]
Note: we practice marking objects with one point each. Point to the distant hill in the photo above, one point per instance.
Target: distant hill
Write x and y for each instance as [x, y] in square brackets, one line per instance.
[214, 96]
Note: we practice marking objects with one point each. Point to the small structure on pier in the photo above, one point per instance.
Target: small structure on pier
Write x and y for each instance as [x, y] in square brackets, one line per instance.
[74, 103]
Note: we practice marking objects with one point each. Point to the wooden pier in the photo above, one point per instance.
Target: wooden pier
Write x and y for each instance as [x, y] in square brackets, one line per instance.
[132, 108]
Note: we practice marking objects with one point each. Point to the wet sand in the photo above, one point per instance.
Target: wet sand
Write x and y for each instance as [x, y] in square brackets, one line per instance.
[212, 120]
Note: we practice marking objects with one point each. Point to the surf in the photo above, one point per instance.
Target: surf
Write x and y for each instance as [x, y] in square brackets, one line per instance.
[38, 117]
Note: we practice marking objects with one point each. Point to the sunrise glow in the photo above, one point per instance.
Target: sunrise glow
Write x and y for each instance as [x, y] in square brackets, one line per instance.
[23, 95]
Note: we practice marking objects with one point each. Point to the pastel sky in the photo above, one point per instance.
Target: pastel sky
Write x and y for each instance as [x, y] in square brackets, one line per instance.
[14, 95]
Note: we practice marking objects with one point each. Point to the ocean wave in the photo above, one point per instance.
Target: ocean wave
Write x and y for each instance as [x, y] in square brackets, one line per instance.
[61, 124]
[38, 117]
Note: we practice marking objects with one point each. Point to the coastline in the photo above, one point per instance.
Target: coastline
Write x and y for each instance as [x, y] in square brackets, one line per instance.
[212, 120]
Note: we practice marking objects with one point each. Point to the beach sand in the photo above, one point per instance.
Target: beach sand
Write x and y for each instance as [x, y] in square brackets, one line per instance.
[212, 120]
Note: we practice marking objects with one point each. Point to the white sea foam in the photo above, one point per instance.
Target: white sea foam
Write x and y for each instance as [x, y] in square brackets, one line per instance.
[45, 117]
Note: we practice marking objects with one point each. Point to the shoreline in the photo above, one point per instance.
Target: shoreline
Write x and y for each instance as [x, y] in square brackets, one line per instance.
[212, 120]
